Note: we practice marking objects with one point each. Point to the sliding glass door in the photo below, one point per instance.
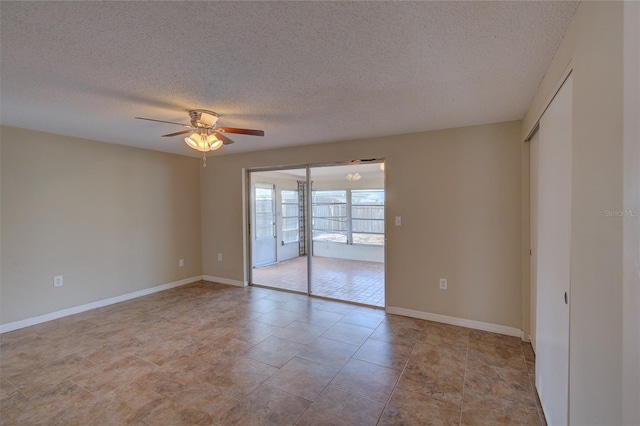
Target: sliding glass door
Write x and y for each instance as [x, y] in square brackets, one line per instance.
[347, 225]
[327, 223]
[278, 210]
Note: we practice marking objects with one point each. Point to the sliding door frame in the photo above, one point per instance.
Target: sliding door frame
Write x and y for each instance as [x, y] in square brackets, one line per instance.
[248, 223]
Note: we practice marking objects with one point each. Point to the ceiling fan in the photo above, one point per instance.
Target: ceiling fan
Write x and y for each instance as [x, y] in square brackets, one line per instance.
[205, 134]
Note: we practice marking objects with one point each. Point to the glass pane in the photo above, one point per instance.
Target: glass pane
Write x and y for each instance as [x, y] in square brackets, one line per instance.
[368, 196]
[367, 212]
[329, 224]
[368, 226]
[329, 236]
[327, 197]
[263, 194]
[373, 239]
[290, 236]
[290, 210]
[264, 206]
[290, 223]
[290, 197]
[331, 210]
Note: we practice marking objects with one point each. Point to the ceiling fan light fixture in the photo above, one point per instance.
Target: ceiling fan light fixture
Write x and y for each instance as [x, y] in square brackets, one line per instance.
[203, 143]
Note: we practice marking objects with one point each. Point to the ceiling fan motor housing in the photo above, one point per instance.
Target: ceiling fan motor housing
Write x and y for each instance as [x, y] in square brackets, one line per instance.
[202, 118]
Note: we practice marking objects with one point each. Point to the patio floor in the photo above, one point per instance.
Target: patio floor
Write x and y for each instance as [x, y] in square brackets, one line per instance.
[351, 280]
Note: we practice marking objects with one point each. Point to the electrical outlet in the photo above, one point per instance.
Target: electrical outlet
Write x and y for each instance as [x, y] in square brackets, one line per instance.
[181, 263]
[443, 283]
[58, 281]
[219, 257]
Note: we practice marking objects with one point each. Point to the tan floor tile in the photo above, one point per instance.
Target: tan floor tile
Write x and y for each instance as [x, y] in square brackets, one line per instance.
[487, 410]
[87, 368]
[266, 406]
[206, 398]
[368, 380]
[125, 404]
[14, 409]
[498, 356]
[479, 337]
[451, 357]
[445, 334]
[335, 407]
[102, 380]
[224, 347]
[170, 413]
[434, 381]
[370, 318]
[275, 351]
[504, 383]
[165, 383]
[320, 317]
[159, 352]
[328, 352]
[6, 389]
[348, 333]
[30, 382]
[255, 331]
[51, 405]
[387, 354]
[114, 350]
[410, 408]
[237, 376]
[279, 318]
[303, 378]
[527, 349]
[395, 331]
[301, 332]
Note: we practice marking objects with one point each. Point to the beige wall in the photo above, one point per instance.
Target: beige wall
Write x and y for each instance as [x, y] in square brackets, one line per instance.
[458, 192]
[631, 222]
[112, 220]
[592, 47]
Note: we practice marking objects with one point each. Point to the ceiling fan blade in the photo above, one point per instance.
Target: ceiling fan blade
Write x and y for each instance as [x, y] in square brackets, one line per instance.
[241, 131]
[225, 140]
[181, 132]
[161, 121]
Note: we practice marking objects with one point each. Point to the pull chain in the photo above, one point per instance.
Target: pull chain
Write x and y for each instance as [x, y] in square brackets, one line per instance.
[204, 160]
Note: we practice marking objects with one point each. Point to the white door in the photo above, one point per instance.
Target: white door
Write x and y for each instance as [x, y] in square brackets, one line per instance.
[264, 224]
[534, 146]
[553, 256]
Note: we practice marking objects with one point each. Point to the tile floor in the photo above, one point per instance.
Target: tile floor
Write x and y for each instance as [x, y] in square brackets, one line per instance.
[342, 279]
[212, 354]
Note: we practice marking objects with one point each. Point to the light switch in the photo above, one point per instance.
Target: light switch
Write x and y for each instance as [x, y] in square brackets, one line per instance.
[398, 221]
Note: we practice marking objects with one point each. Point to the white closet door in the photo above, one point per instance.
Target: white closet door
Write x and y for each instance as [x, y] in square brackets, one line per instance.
[553, 256]
[534, 146]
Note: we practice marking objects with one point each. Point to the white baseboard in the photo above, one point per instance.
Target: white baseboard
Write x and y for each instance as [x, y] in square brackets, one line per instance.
[93, 305]
[478, 325]
[227, 281]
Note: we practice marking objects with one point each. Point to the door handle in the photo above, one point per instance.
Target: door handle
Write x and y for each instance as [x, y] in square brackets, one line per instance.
[566, 298]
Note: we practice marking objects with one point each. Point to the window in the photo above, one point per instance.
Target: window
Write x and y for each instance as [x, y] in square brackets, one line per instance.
[349, 216]
[264, 212]
[367, 216]
[329, 216]
[290, 217]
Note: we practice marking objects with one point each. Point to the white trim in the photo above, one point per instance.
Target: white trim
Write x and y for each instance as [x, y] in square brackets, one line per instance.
[227, 281]
[93, 305]
[478, 325]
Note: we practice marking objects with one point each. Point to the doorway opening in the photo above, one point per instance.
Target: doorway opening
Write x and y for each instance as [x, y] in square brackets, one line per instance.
[319, 230]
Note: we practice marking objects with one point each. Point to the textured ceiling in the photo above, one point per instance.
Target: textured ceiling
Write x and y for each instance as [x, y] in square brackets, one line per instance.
[304, 72]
